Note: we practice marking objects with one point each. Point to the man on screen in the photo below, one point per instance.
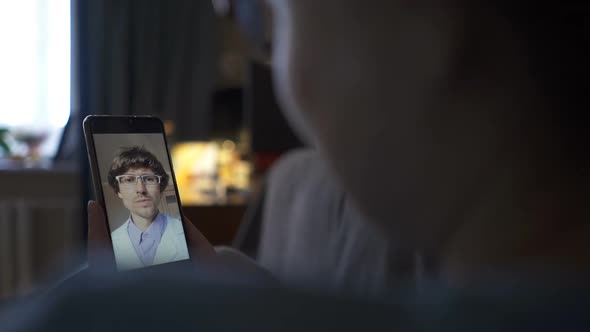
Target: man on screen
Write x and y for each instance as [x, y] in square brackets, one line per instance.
[148, 237]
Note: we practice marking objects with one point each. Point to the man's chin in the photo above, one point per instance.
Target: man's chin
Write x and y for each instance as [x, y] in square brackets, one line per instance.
[147, 214]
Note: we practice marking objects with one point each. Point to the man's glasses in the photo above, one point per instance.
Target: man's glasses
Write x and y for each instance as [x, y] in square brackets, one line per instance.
[131, 180]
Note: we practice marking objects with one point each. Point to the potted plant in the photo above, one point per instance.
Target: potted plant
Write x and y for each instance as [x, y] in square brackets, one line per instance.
[4, 147]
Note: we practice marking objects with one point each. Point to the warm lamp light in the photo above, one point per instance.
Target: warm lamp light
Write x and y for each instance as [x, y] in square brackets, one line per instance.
[206, 170]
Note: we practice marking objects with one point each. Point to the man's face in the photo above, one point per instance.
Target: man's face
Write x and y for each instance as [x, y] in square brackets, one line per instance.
[140, 199]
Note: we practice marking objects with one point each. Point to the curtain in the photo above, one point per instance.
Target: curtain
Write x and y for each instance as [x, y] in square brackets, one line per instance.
[149, 57]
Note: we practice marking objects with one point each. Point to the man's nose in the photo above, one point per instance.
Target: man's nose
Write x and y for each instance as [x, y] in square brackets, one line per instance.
[140, 186]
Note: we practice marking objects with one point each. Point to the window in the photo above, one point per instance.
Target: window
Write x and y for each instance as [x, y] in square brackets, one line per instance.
[35, 67]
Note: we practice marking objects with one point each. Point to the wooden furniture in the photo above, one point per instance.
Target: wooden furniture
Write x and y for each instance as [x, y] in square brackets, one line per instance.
[40, 226]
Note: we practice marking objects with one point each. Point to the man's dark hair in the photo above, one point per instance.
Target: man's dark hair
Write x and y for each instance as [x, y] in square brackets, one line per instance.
[135, 157]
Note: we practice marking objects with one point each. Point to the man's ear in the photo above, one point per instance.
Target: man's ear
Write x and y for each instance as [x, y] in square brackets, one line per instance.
[119, 194]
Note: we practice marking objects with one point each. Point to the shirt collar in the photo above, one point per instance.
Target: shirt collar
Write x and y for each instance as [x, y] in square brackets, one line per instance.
[157, 227]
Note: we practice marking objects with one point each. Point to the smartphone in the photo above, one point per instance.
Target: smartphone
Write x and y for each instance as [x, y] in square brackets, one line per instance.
[134, 182]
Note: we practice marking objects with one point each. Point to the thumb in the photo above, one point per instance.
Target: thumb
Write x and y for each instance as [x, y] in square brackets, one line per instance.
[200, 248]
[97, 226]
[99, 243]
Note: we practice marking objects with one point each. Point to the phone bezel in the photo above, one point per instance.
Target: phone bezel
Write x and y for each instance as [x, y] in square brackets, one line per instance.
[112, 124]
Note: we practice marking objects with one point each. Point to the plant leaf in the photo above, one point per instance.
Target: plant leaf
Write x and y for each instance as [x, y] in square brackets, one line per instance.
[4, 146]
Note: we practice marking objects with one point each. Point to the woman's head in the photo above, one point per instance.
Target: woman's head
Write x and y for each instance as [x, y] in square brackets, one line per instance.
[413, 103]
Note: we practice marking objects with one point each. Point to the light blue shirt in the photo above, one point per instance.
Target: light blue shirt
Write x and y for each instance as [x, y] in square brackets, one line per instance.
[146, 242]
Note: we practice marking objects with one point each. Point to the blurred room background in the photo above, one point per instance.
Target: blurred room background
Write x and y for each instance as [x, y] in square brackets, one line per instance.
[176, 59]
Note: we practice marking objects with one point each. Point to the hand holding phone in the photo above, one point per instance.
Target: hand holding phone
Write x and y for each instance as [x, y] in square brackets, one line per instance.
[134, 183]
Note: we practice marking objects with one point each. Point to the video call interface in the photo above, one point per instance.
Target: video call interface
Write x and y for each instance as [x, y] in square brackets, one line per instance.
[140, 199]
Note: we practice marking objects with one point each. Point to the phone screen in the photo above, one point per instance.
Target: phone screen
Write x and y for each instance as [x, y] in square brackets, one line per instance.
[139, 192]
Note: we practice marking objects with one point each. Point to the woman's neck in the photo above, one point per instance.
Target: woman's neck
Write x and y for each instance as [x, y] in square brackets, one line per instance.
[528, 211]
[531, 217]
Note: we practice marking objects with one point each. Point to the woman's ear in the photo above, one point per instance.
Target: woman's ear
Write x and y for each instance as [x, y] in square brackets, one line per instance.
[223, 8]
